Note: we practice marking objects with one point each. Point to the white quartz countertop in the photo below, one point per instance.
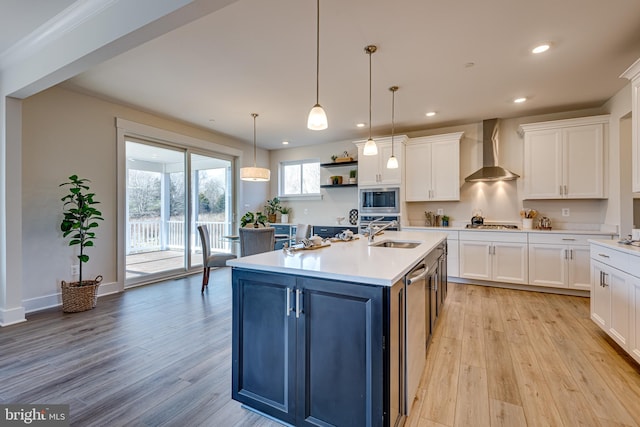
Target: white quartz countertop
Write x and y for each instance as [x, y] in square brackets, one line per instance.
[613, 244]
[354, 261]
[519, 230]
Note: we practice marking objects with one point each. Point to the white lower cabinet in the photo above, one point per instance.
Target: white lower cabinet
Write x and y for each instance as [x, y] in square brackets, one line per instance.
[494, 256]
[615, 295]
[560, 260]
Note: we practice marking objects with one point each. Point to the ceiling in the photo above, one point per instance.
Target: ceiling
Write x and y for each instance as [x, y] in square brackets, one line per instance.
[465, 59]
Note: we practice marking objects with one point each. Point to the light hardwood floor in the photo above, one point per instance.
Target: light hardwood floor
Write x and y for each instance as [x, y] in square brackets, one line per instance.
[515, 358]
[161, 355]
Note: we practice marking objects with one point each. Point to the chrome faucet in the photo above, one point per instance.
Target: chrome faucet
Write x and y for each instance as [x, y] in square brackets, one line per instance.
[374, 232]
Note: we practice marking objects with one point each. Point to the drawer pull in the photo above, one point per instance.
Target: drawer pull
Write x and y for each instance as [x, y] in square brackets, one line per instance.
[603, 255]
[569, 239]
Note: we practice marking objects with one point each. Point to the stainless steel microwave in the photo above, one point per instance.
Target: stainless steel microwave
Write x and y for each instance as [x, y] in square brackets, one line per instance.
[380, 200]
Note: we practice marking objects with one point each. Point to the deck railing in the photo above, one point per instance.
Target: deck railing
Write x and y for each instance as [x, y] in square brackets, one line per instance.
[146, 236]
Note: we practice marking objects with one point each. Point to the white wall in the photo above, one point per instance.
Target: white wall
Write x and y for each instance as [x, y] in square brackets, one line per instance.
[336, 202]
[65, 133]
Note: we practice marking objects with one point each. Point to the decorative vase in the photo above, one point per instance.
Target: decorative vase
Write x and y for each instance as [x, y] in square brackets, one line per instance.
[527, 223]
[352, 181]
[284, 218]
[271, 218]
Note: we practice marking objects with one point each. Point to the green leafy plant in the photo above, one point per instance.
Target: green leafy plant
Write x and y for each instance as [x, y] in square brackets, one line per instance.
[352, 173]
[273, 206]
[256, 219]
[80, 217]
[285, 210]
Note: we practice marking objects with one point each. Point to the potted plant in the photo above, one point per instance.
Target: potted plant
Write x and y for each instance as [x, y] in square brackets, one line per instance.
[272, 208]
[445, 221]
[352, 176]
[79, 222]
[254, 220]
[285, 211]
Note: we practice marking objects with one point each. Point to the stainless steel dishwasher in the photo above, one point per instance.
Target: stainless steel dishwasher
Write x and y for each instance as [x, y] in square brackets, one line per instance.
[415, 330]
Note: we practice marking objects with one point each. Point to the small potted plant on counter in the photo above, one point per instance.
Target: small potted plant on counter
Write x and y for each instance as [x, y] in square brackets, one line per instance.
[272, 208]
[445, 221]
[285, 211]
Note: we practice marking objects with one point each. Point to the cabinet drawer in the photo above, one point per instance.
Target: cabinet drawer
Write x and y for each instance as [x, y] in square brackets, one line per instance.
[282, 229]
[494, 236]
[611, 257]
[325, 232]
[564, 239]
[451, 234]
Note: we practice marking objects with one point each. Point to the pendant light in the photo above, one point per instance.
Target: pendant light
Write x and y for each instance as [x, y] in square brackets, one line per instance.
[317, 117]
[370, 148]
[392, 163]
[254, 173]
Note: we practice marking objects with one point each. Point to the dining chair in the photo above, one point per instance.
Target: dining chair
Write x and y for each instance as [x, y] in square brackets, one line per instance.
[210, 259]
[257, 240]
[303, 231]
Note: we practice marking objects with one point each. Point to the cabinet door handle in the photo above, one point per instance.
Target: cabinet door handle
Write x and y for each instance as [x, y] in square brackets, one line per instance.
[561, 190]
[565, 191]
[298, 303]
[604, 279]
[289, 309]
[600, 279]
[603, 255]
[571, 254]
[566, 254]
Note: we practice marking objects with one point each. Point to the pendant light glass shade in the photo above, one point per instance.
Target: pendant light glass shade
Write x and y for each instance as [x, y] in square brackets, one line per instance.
[254, 173]
[317, 117]
[392, 163]
[370, 148]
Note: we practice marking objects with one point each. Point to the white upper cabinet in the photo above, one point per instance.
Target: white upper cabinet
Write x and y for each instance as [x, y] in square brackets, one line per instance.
[564, 159]
[433, 168]
[372, 170]
[633, 74]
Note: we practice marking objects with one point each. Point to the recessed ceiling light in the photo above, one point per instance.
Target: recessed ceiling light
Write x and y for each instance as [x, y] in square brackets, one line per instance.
[520, 100]
[285, 142]
[430, 114]
[541, 48]
[360, 125]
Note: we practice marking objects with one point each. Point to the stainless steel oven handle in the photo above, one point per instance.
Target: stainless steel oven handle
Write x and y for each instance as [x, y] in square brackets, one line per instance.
[419, 276]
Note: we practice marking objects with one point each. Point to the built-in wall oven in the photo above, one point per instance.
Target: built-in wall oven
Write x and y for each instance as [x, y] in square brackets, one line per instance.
[379, 201]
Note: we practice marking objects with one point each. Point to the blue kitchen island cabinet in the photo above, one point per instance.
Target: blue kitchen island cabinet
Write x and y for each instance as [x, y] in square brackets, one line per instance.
[308, 351]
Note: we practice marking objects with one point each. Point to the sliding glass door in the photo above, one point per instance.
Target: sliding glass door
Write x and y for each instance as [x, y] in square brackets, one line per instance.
[163, 208]
[211, 180]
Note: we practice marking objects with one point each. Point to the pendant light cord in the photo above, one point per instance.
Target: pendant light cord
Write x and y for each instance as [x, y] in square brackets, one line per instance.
[370, 52]
[254, 115]
[318, 53]
[393, 90]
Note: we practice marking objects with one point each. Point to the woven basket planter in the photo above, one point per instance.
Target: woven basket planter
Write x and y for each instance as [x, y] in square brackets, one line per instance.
[77, 298]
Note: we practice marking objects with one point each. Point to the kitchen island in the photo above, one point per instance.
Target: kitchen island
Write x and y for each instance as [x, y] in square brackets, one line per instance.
[318, 335]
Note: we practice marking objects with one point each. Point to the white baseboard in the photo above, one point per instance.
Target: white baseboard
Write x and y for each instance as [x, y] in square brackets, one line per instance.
[55, 300]
[12, 316]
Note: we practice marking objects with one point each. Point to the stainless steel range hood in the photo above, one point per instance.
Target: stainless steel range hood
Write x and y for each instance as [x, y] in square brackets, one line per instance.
[490, 170]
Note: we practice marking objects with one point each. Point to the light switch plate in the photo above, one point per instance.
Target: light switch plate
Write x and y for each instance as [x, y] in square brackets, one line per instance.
[565, 212]
[440, 212]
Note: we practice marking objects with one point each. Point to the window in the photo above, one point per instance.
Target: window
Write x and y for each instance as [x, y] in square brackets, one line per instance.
[300, 178]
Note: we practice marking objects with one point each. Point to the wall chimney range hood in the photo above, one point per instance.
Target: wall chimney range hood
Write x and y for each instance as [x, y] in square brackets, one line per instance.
[490, 171]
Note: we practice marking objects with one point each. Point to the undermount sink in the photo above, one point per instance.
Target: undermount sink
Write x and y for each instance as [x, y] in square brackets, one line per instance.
[396, 244]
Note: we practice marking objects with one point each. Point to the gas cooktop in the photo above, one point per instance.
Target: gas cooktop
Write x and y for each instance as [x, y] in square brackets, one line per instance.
[493, 226]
